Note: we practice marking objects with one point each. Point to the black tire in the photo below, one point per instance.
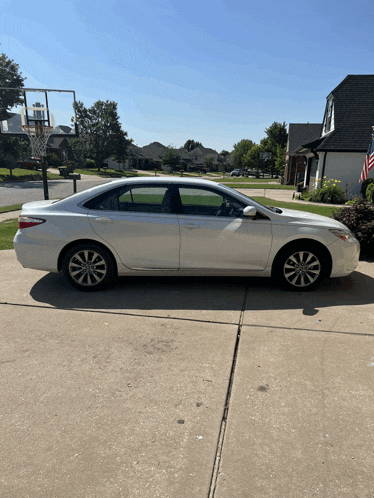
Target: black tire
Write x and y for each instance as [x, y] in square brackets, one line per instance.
[301, 267]
[34, 167]
[89, 267]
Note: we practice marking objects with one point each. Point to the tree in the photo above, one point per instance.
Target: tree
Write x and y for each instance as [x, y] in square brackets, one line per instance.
[275, 142]
[240, 150]
[191, 145]
[277, 135]
[100, 133]
[10, 77]
[252, 160]
[208, 162]
[224, 153]
[280, 160]
[171, 157]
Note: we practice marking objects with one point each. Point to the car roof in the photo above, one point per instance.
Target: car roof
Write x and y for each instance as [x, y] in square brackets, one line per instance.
[93, 191]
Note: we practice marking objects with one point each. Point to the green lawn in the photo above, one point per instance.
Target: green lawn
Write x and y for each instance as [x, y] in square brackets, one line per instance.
[109, 173]
[22, 175]
[270, 186]
[310, 208]
[6, 209]
[8, 230]
[246, 180]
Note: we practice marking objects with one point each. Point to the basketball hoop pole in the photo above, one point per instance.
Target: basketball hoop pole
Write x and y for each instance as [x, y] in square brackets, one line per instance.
[45, 181]
[39, 135]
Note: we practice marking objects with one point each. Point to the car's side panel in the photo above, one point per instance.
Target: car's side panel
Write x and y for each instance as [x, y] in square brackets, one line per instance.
[224, 243]
[141, 240]
[39, 247]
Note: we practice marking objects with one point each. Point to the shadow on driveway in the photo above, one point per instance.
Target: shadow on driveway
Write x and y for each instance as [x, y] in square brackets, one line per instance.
[204, 293]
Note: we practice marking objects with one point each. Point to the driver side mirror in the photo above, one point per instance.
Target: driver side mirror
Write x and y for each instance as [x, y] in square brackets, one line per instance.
[249, 212]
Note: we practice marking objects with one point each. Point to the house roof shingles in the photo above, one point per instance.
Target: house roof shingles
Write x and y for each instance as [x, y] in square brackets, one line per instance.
[353, 115]
[301, 133]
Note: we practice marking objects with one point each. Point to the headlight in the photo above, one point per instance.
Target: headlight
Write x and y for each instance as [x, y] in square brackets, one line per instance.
[345, 235]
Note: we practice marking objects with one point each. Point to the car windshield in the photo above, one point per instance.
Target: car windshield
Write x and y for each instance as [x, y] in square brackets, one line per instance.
[253, 202]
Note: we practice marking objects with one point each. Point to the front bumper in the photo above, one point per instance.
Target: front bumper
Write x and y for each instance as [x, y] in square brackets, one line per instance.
[345, 257]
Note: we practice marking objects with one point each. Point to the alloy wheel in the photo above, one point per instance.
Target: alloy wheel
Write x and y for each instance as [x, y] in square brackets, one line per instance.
[302, 269]
[87, 268]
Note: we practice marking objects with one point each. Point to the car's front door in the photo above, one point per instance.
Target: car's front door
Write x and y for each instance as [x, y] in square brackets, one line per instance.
[216, 235]
[137, 223]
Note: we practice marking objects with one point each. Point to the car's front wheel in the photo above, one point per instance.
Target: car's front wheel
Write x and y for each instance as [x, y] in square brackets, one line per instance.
[89, 267]
[301, 268]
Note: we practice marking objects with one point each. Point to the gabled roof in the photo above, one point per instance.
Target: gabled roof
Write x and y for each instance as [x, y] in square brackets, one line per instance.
[301, 133]
[353, 115]
[154, 151]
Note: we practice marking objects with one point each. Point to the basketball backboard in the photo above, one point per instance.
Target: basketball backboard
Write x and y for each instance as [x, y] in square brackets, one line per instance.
[52, 108]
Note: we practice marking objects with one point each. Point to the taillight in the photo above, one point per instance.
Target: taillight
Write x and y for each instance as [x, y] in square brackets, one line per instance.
[27, 222]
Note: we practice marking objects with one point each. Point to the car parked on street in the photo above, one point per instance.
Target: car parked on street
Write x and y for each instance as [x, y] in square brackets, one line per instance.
[179, 226]
[33, 163]
[237, 172]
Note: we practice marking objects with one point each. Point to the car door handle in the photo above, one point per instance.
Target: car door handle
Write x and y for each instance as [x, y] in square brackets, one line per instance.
[104, 220]
[190, 226]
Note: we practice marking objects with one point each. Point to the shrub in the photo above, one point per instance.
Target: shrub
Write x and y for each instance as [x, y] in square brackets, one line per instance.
[90, 163]
[364, 186]
[328, 192]
[370, 192]
[52, 159]
[359, 218]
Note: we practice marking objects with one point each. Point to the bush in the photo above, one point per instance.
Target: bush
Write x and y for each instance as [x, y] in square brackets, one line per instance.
[90, 163]
[370, 192]
[328, 192]
[364, 186]
[359, 218]
[52, 159]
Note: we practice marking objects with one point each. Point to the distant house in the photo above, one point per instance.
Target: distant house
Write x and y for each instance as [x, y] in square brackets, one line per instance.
[339, 151]
[298, 134]
[61, 147]
[150, 156]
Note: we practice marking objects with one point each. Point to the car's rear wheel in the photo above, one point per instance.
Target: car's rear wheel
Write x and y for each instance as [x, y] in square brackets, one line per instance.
[34, 167]
[301, 268]
[89, 267]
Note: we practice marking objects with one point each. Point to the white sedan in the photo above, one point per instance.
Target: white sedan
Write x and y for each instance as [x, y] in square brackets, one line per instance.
[177, 226]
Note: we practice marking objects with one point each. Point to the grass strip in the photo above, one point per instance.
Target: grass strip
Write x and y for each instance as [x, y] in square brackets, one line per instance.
[267, 186]
[246, 179]
[309, 208]
[22, 175]
[7, 209]
[109, 173]
[8, 229]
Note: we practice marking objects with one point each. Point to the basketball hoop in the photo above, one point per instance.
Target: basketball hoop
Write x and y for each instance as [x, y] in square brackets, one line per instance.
[38, 136]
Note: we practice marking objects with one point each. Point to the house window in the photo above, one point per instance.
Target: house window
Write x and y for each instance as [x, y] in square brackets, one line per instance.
[328, 122]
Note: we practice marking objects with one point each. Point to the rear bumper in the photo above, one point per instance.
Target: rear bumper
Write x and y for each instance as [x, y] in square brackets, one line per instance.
[34, 255]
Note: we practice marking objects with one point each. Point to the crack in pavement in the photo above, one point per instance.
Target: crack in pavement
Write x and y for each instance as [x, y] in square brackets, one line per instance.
[221, 436]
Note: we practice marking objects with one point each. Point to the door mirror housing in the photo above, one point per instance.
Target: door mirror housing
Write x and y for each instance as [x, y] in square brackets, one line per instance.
[249, 212]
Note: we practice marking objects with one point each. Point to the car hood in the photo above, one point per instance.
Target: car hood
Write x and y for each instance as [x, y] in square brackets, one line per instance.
[305, 218]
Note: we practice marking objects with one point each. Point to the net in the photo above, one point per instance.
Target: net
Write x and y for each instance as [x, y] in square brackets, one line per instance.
[38, 136]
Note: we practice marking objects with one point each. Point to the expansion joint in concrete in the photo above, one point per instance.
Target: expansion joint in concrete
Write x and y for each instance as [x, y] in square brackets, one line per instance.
[221, 437]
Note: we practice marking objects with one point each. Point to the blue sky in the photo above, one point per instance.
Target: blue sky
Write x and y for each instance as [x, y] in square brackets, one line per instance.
[215, 72]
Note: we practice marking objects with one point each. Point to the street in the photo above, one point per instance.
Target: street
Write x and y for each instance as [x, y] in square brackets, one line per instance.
[22, 192]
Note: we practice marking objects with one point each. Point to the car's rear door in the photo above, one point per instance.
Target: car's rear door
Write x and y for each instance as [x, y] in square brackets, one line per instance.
[133, 221]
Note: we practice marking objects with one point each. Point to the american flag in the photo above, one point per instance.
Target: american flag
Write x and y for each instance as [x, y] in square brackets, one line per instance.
[369, 161]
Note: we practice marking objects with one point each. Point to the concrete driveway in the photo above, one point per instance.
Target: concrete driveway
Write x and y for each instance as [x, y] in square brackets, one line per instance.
[186, 388]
